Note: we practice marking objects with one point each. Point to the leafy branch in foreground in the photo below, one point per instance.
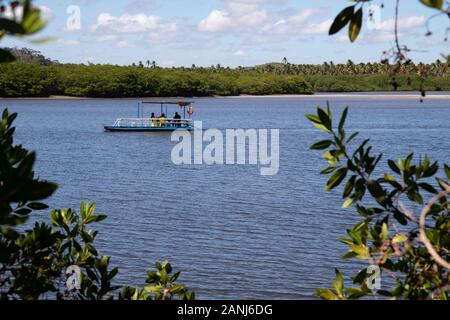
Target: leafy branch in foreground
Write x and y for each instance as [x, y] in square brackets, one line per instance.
[25, 20]
[33, 263]
[411, 248]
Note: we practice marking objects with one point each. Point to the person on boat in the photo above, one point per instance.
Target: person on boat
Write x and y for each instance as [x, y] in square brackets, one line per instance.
[162, 120]
[153, 117]
[177, 119]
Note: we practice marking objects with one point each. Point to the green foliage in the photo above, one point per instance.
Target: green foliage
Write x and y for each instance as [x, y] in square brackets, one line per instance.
[22, 79]
[161, 286]
[20, 191]
[33, 263]
[388, 235]
[30, 79]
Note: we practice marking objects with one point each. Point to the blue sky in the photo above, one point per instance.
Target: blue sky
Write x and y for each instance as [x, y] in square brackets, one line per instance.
[229, 32]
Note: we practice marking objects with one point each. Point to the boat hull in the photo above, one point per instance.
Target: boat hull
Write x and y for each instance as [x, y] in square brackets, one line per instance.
[145, 129]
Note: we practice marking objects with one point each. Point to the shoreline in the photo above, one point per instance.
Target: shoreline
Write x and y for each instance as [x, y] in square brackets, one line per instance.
[400, 95]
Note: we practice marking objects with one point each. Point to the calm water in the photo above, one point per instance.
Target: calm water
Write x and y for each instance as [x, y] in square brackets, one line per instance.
[232, 232]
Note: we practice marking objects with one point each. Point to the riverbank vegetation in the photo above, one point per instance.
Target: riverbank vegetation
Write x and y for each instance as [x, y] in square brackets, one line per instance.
[32, 75]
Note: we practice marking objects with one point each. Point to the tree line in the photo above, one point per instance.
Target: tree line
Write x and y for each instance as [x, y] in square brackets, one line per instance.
[33, 75]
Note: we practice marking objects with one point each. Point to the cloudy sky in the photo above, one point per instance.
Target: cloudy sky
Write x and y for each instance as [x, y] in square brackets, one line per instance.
[229, 32]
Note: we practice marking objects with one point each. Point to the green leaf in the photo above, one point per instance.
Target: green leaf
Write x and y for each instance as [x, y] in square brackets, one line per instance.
[377, 192]
[348, 203]
[361, 250]
[174, 277]
[447, 171]
[321, 145]
[431, 171]
[313, 118]
[330, 158]
[22, 211]
[320, 126]
[339, 281]
[391, 180]
[336, 178]
[384, 231]
[355, 293]
[428, 187]
[435, 4]
[400, 218]
[153, 289]
[40, 190]
[349, 186]
[328, 170]
[394, 167]
[342, 121]
[37, 206]
[355, 25]
[326, 294]
[399, 238]
[325, 119]
[32, 21]
[353, 136]
[341, 20]
[100, 217]
[361, 276]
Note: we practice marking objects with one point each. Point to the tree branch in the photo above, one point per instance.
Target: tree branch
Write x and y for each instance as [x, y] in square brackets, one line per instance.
[423, 237]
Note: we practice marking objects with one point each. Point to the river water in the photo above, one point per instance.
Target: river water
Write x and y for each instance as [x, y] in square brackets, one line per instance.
[233, 233]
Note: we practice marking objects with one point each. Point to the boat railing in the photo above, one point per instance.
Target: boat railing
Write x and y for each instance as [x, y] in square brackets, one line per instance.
[153, 122]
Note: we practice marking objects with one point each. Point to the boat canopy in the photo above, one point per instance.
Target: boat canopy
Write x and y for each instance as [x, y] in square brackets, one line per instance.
[182, 104]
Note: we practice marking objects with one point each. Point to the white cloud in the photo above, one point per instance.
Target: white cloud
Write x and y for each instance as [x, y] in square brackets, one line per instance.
[128, 23]
[239, 53]
[317, 28]
[380, 36]
[403, 23]
[237, 15]
[296, 24]
[217, 20]
[302, 16]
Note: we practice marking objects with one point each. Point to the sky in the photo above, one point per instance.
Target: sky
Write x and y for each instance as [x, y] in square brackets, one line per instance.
[226, 32]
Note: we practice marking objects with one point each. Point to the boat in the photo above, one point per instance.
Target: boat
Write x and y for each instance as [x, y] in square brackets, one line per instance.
[158, 123]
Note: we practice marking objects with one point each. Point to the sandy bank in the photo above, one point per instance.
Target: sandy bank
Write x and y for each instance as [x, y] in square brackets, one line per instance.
[359, 96]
